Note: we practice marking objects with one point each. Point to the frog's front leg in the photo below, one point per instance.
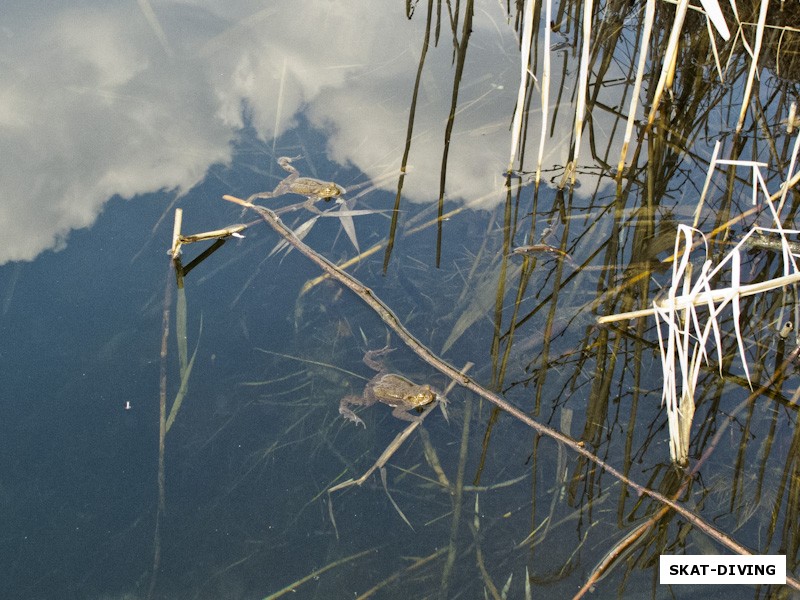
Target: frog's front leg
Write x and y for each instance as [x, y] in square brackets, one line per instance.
[347, 412]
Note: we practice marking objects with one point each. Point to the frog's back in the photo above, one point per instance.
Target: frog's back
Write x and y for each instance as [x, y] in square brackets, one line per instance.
[308, 186]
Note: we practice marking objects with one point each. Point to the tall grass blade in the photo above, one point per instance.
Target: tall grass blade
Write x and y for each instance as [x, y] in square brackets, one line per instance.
[180, 326]
[184, 388]
[301, 232]
[394, 504]
[461, 60]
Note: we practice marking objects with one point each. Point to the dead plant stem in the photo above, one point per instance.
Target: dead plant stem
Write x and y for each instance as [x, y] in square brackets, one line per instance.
[162, 432]
[389, 318]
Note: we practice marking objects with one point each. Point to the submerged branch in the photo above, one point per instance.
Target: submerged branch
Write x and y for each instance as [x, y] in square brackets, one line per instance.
[388, 317]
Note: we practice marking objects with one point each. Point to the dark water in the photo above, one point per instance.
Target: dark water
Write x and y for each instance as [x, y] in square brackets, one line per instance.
[114, 115]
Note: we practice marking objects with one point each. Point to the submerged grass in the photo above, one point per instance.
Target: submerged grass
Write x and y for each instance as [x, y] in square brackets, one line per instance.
[613, 241]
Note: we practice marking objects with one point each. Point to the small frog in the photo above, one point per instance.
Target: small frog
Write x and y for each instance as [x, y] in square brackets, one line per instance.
[312, 189]
[390, 389]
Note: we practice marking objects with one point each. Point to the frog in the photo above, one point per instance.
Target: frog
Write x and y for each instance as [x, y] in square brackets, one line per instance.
[394, 390]
[313, 189]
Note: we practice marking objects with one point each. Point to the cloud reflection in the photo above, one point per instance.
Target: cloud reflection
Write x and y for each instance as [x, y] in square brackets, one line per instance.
[118, 99]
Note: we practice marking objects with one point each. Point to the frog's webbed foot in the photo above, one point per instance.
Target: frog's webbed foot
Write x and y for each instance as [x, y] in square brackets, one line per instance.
[347, 412]
[372, 358]
[285, 163]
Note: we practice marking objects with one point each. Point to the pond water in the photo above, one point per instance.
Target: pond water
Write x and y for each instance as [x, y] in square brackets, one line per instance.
[196, 461]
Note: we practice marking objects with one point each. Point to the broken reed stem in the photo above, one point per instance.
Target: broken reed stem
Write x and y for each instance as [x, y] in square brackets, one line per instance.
[176, 232]
[388, 317]
[703, 298]
[457, 493]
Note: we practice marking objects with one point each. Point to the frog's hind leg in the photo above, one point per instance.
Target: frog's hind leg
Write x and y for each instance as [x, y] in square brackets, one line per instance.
[279, 190]
[285, 163]
[259, 195]
[373, 358]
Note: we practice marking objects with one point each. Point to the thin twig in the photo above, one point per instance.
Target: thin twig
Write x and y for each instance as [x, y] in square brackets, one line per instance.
[388, 317]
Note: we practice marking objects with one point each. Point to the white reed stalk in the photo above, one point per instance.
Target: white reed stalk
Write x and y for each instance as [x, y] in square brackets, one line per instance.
[175, 248]
[709, 174]
[678, 338]
[669, 57]
[683, 345]
[545, 89]
[649, 16]
[684, 301]
[583, 83]
[762, 18]
[524, 58]
[715, 16]
[715, 52]
[789, 175]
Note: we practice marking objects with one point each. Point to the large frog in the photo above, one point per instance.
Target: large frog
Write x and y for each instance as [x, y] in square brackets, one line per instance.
[394, 390]
[312, 189]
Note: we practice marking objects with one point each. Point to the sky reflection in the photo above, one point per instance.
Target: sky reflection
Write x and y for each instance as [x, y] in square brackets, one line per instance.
[132, 98]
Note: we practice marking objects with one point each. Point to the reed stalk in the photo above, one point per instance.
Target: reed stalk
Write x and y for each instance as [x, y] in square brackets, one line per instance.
[670, 59]
[583, 84]
[524, 74]
[649, 16]
[545, 90]
[391, 320]
[762, 18]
